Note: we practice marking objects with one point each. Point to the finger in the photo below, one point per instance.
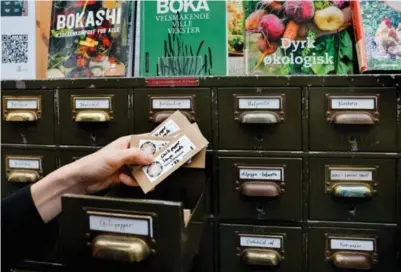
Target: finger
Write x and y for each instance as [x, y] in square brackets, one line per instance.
[127, 180]
[135, 156]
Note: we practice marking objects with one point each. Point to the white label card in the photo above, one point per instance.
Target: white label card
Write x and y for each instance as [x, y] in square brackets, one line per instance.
[249, 241]
[120, 225]
[176, 103]
[24, 164]
[356, 175]
[262, 174]
[152, 146]
[357, 245]
[168, 128]
[31, 104]
[353, 103]
[259, 103]
[92, 104]
[166, 160]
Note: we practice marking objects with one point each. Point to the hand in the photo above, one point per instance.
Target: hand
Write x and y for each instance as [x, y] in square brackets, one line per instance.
[107, 167]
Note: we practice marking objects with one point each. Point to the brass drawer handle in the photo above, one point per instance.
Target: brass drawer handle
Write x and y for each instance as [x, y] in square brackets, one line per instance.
[23, 176]
[352, 190]
[160, 116]
[353, 118]
[262, 257]
[22, 116]
[259, 188]
[351, 260]
[92, 116]
[120, 248]
[259, 117]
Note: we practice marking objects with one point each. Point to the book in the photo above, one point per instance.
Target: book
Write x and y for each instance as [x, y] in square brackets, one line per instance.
[377, 29]
[298, 37]
[235, 37]
[183, 38]
[18, 40]
[91, 39]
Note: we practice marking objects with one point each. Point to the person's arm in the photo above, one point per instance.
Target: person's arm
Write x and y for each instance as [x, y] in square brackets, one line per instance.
[25, 213]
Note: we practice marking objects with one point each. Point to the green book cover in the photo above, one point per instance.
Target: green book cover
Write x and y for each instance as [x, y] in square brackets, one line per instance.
[183, 38]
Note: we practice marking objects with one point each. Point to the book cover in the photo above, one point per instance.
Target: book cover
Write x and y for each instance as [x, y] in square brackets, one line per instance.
[18, 40]
[377, 29]
[91, 39]
[235, 37]
[298, 37]
[183, 38]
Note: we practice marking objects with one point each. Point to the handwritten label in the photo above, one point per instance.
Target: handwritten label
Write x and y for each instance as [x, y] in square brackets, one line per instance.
[92, 104]
[262, 174]
[24, 164]
[260, 242]
[359, 175]
[177, 103]
[168, 128]
[357, 245]
[29, 104]
[120, 225]
[260, 103]
[353, 103]
[175, 153]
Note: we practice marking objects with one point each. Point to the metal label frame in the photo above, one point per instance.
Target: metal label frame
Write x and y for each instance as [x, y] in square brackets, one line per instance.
[281, 236]
[37, 98]
[240, 166]
[237, 111]
[191, 111]
[9, 170]
[109, 97]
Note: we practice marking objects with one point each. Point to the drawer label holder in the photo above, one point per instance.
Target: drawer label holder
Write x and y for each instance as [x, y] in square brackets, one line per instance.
[351, 252]
[259, 109]
[162, 107]
[262, 250]
[23, 169]
[92, 109]
[22, 108]
[260, 181]
[351, 182]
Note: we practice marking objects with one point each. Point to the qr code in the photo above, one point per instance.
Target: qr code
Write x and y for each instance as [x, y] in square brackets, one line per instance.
[14, 48]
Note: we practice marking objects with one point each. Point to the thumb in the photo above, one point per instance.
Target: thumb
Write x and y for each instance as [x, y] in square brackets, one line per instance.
[135, 156]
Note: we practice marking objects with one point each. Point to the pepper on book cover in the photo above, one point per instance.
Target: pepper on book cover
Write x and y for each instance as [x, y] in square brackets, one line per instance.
[91, 39]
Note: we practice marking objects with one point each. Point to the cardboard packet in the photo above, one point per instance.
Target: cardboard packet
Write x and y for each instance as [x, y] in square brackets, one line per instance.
[171, 157]
[176, 122]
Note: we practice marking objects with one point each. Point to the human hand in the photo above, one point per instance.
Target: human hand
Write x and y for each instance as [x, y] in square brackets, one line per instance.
[107, 166]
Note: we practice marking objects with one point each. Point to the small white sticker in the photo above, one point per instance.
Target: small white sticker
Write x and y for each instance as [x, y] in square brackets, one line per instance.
[24, 164]
[357, 245]
[260, 103]
[262, 174]
[120, 225]
[168, 128]
[177, 103]
[260, 242]
[29, 104]
[353, 103]
[92, 104]
[175, 153]
[359, 175]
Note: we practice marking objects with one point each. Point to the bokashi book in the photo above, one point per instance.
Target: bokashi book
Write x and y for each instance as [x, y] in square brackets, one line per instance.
[298, 37]
[91, 39]
[183, 38]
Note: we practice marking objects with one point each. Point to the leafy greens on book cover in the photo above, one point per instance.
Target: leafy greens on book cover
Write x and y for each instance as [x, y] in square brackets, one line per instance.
[91, 39]
[183, 38]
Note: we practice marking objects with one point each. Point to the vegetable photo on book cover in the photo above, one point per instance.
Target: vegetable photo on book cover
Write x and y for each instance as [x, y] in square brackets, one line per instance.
[298, 37]
[90, 39]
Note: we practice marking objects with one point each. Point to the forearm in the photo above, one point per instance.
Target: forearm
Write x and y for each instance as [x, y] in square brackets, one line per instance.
[47, 192]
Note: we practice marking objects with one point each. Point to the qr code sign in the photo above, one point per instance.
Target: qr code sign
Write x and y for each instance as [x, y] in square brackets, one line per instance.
[14, 48]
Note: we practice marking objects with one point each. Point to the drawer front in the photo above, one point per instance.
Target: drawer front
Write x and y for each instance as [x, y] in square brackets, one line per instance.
[24, 167]
[27, 117]
[93, 117]
[260, 188]
[353, 189]
[343, 249]
[259, 118]
[204, 260]
[352, 119]
[69, 156]
[257, 248]
[153, 106]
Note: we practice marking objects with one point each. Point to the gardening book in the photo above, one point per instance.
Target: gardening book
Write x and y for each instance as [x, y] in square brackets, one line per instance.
[235, 37]
[298, 37]
[183, 38]
[91, 39]
[377, 28]
[18, 40]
